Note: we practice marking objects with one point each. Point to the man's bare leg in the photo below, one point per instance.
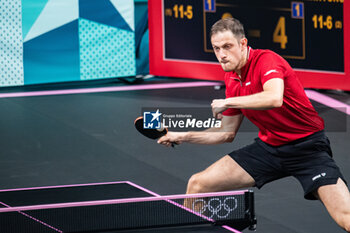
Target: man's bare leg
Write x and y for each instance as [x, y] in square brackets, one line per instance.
[336, 199]
[225, 174]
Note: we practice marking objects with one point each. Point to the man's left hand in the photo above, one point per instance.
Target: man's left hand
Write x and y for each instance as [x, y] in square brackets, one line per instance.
[217, 107]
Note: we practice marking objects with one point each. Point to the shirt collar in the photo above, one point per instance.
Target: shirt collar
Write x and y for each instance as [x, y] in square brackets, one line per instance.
[245, 68]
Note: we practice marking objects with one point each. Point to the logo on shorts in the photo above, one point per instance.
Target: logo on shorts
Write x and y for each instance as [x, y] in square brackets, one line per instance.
[323, 174]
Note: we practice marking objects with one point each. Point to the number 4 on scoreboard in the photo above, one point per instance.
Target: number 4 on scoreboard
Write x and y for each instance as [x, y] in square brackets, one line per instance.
[279, 35]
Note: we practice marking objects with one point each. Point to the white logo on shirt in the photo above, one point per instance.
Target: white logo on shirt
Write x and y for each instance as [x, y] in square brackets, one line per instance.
[270, 71]
[248, 83]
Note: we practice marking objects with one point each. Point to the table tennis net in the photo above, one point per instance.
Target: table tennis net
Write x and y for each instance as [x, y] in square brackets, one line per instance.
[134, 213]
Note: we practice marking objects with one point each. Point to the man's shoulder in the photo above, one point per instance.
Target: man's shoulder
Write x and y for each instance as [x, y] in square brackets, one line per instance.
[265, 53]
[266, 57]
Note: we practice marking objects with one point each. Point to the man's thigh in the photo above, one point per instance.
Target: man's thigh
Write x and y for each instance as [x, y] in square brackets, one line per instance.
[336, 198]
[225, 174]
[259, 163]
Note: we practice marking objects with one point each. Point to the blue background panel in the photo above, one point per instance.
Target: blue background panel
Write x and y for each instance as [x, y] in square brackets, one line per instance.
[50, 41]
[31, 10]
[102, 11]
[53, 56]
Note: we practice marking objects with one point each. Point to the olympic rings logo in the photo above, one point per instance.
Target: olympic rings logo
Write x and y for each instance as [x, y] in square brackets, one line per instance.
[216, 207]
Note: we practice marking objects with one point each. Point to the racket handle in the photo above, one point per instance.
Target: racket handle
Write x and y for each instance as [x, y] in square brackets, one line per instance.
[161, 129]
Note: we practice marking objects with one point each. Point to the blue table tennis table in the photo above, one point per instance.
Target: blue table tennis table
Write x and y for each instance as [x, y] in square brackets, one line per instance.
[82, 198]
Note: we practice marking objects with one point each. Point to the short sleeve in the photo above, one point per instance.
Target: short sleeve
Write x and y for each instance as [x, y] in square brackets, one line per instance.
[231, 112]
[271, 66]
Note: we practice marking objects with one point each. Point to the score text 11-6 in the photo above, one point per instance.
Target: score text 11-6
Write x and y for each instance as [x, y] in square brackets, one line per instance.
[323, 22]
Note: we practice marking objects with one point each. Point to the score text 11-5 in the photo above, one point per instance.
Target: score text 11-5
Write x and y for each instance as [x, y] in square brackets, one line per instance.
[180, 11]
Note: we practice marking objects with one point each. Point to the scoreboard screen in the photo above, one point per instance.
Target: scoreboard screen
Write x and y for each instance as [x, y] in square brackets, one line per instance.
[310, 34]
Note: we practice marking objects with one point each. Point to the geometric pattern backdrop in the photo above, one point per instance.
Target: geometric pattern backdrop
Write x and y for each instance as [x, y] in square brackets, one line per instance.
[11, 47]
[71, 40]
[104, 50]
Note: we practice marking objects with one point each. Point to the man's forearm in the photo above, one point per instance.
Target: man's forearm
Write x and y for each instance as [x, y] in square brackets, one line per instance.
[258, 101]
[208, 137]
[270, 97]
[225, 133]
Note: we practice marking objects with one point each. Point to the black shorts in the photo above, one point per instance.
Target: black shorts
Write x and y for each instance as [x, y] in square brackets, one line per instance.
[308, 159]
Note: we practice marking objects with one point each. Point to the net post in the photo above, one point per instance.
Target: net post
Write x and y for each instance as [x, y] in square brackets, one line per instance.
[250, 210]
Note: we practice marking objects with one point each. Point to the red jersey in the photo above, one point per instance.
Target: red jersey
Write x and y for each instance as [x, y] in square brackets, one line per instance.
[295, 119]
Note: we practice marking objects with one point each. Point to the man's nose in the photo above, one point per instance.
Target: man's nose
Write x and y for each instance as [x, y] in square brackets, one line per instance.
[222, 54]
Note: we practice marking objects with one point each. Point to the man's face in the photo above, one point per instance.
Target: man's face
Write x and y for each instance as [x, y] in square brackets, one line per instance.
[229, 51]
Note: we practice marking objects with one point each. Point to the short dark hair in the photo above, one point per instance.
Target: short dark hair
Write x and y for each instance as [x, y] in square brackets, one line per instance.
[228, 24]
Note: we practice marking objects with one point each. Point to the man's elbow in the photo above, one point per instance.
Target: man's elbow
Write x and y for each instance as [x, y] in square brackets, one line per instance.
[277, 102]
[229, 137]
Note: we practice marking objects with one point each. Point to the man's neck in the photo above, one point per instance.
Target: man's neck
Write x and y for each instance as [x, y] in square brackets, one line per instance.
[243, 61]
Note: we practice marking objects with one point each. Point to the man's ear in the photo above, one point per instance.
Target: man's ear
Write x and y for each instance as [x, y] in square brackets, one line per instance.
[243, 42]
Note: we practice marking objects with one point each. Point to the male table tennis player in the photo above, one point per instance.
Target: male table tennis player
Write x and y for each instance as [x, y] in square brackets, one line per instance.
[262, 86]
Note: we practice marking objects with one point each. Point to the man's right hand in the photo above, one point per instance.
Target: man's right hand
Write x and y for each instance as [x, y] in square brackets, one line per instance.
[172, 137]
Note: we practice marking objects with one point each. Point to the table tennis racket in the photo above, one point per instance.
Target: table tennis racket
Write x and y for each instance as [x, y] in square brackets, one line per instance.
[150, 133]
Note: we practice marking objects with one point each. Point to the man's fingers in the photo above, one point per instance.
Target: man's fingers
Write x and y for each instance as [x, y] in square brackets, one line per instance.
[170, 138]
[161, 140]
[214, 108]
[215, 112]
[164, 141]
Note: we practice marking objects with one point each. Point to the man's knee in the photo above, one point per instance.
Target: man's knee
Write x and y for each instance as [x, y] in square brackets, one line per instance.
[196, 184]
[347, 227]
[346, 221]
